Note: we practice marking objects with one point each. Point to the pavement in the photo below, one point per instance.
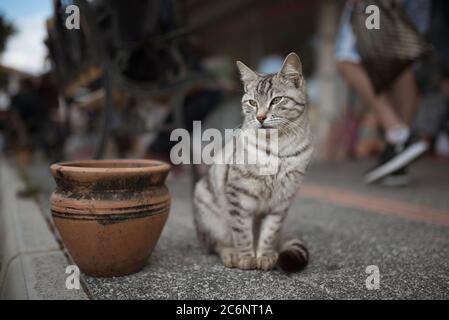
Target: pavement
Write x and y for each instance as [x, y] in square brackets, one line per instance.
[347, 226]
[32, 260]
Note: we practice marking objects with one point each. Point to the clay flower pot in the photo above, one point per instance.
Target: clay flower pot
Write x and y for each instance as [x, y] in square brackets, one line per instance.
[110, 213]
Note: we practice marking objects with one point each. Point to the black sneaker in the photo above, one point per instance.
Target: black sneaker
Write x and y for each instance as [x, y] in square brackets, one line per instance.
[398, 178]
[396, 157]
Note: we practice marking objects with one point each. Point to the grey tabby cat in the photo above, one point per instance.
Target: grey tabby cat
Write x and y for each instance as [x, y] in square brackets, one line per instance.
[238, 212]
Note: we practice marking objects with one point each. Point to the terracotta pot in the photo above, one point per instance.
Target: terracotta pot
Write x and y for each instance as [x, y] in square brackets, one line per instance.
[110, 213]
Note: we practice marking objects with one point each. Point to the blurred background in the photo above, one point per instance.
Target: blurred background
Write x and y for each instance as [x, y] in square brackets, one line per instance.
[133, 71]
[137, 69]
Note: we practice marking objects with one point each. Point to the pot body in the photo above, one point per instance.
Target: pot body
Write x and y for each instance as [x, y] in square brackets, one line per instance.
[110, 213]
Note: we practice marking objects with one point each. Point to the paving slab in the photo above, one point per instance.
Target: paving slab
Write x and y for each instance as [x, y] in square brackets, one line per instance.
[45, 277]
[429, 181]
[33, 263]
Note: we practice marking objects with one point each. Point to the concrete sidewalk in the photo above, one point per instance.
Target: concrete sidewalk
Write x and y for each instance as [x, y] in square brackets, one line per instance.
[344, 237]
[413, 259]
[32, 262]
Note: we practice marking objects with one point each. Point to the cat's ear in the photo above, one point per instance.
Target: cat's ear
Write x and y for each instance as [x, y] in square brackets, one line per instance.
[246, 74]
[292, 67]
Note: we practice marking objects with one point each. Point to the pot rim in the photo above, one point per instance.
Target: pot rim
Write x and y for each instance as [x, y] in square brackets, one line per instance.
[82, 166]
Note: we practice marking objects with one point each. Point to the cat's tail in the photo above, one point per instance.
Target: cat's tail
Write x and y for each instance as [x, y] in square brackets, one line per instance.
[293, 256]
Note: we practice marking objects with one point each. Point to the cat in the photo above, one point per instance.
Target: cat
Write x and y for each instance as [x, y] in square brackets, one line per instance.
[239, 213]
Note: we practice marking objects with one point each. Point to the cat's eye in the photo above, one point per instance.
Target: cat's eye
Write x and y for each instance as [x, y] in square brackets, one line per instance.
[276, 100]
[252, 102]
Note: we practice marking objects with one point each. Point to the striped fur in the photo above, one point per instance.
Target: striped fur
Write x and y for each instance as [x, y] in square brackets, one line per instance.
[294, 256]
[239, 213]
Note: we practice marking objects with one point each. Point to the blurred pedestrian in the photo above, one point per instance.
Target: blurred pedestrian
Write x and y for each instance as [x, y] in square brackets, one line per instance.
[53, 132]
[31, 111]
[395, 107]
[26, 113]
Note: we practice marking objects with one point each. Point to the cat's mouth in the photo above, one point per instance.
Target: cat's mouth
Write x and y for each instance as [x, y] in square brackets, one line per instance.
[266, 126]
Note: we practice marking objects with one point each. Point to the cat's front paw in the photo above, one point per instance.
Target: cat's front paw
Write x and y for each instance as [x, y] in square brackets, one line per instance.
[229, 257]
[267, 261]
[246, 262]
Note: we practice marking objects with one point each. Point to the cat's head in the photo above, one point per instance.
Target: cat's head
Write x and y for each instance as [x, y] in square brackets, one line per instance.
[274, 100]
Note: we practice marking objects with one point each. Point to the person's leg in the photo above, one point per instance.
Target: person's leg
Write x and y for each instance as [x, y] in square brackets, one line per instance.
[401, 148]
[396, 130]
[358, 79]
[404, 95]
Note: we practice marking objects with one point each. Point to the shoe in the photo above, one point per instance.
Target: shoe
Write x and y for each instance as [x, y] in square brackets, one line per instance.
[396, 157]
[398, 178]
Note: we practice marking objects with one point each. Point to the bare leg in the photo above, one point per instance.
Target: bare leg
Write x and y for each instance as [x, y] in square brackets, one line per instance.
[394, 121]
[404, 95]
[357, 78]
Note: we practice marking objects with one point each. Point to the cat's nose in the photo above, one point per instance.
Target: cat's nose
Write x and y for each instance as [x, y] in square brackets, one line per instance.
[261, 117]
